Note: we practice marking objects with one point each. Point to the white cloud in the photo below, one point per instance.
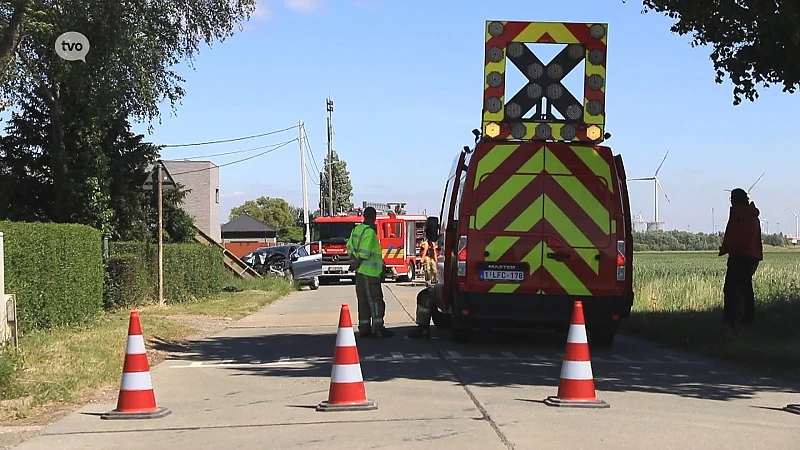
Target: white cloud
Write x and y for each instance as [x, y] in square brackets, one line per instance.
[304, 6]
[233, 194]
[262, 12]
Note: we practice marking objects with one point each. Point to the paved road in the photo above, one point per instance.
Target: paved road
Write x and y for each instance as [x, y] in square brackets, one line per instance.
[256, 385]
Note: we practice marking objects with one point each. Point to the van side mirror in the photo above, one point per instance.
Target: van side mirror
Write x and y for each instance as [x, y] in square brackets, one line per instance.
[432, 228]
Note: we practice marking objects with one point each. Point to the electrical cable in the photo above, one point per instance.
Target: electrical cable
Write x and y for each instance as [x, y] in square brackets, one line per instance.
[235, 151]
[310, 150]
[229, 140]
[283, 144]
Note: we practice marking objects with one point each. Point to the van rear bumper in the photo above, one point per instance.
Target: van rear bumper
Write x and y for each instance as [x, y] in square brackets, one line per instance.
[535, 311]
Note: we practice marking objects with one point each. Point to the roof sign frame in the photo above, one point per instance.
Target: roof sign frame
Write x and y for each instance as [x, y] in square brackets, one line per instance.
[584, 121]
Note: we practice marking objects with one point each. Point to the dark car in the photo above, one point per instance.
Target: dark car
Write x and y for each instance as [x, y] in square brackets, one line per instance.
[298, 266]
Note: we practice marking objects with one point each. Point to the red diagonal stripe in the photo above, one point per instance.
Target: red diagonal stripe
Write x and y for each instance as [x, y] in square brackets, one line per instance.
[509, 213]
[593, 95]
[578, 266]
[581, 171]
[511, 165]
[490, 92]
[521, 248]
[510, 32]
[581, 31]
[573, 210]
[546, 39]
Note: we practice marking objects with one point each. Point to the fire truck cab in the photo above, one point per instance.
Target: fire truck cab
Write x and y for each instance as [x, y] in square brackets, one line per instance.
[400, 235]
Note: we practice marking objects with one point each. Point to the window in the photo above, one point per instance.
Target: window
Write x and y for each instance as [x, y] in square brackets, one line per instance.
[393, 230]
[216, 196]
[301, 252]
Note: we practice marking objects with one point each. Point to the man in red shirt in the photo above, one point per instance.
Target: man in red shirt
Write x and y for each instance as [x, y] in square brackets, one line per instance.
[742, 244]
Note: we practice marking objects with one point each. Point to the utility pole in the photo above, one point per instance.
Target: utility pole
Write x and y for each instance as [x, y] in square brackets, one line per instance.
[321, 193]
[713, 221]
[306, 226]
[329, 104]
[160, 236]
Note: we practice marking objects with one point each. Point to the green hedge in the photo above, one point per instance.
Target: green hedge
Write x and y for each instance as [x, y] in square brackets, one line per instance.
[56, 272]
[191, 271]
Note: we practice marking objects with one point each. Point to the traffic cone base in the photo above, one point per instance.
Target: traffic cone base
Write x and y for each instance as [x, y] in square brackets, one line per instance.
[347, 391]
[137, 400]
[794, 409]
[576, 385]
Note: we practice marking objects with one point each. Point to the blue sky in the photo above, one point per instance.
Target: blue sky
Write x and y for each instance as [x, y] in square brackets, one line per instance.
[406, 80]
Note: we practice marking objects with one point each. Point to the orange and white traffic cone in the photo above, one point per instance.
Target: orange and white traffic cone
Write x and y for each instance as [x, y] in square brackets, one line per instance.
[137, 400]
[576, 387]
[347, 391]
[793, 408]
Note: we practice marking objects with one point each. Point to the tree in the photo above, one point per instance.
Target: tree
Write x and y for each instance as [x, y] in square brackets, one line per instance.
[70, 143]
[754, 42]
[342, 187]
[275, 212]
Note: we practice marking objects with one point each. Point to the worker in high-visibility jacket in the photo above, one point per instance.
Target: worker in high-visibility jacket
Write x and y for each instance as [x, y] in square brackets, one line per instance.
[367, 261]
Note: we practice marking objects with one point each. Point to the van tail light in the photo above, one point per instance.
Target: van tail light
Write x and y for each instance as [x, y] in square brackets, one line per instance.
[462, 256]
[620, 260]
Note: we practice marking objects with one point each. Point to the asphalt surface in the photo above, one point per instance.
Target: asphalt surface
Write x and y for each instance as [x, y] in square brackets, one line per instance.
[256, 385]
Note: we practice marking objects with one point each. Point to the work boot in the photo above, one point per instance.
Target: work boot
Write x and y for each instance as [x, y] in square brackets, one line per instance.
[365, 333]
[419, 332]
[383, 333]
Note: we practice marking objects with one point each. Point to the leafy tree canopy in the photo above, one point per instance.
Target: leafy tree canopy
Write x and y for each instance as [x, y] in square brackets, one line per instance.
[275, 212]
[342, 187]
[754, 42]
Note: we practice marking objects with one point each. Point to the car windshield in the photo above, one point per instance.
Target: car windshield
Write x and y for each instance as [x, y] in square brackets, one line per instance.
[285, 249]
[332, 231]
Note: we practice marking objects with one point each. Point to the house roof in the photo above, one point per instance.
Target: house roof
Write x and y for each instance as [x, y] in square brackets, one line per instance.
[246, 223]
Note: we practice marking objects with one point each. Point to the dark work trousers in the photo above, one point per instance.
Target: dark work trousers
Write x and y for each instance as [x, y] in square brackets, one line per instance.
[739, 282]
[371, 307]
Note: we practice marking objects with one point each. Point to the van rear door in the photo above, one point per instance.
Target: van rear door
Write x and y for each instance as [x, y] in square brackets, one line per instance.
[580, 202]
[504, 243]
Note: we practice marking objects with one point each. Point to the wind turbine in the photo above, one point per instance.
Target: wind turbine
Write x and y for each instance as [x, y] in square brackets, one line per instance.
[796, 225]
[656, 186]
[751, 186]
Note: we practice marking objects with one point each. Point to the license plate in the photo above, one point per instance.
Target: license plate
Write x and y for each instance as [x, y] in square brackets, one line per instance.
[502, 275]
[498, 271]
[336, 269]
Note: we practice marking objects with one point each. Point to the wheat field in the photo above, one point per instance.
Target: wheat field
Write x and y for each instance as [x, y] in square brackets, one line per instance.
[678, 301]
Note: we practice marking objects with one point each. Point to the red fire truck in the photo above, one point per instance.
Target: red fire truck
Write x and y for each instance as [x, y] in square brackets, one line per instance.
[400, 236]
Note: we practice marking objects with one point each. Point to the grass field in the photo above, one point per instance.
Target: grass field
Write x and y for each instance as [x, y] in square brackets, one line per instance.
[679, 302]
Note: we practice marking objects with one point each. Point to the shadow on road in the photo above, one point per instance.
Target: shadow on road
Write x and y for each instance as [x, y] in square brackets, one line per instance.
[432, 360]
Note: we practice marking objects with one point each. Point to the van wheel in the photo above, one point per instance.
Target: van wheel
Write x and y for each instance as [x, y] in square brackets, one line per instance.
[441, 320]
[602, 337]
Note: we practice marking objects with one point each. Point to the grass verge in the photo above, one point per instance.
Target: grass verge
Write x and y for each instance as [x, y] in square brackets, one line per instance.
[67, 366]
[679, 303]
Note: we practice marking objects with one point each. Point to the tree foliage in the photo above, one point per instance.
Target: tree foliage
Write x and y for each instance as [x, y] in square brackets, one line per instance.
[754, 42]
[68, 154]
[342, 186]
[675, 240]
[275, 212]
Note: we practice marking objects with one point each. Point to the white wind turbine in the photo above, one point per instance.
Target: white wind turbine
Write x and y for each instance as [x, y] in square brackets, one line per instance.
[751, 186]
[796, 225]
[656, 186]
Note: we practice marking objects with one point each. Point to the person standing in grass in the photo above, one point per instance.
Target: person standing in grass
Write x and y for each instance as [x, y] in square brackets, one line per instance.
[742, 244]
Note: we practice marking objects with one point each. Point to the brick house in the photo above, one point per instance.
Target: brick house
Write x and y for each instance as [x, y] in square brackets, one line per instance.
[244, 234]
[202, 202]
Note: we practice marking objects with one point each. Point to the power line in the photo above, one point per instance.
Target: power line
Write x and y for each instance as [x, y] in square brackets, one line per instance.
[229, 140]
[310, 150]
[236, 151]
[283, 144]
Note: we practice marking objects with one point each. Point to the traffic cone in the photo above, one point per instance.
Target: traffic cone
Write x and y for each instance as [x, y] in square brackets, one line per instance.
[137, 399]
[576, 387]
[793, 408]
[347, 391]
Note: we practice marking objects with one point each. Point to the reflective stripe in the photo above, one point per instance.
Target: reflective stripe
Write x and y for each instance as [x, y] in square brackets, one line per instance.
[345, 338]
[346, 373]
[135, 345]
[364, 322]
[577, 334]
[136, 381]
[577, 370]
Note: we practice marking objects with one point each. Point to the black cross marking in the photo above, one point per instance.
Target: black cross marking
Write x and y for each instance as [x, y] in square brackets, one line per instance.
[524, 62]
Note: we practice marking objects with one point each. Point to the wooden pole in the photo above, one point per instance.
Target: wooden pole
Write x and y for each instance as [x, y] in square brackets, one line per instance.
[160, 239]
